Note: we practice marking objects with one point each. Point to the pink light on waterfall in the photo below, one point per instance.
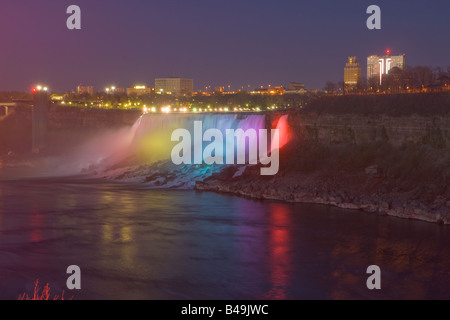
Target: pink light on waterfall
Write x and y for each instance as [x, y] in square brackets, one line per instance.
[285, 133]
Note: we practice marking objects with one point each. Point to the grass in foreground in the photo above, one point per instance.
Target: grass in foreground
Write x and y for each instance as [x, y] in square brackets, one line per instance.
[39, 294]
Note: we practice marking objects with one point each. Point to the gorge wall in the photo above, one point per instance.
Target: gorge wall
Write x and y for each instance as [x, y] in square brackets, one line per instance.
[61, 117]
[356, 129]
[393, 165]
[330, 129]
[67, 127]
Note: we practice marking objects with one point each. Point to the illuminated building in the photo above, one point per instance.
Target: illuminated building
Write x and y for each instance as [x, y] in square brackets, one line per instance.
[175, 86]
[277, 90]
[378, 66]
[115, 90]
[296, 86]
[85, 90]
[271, 91]
[352, 73]
[140, 90]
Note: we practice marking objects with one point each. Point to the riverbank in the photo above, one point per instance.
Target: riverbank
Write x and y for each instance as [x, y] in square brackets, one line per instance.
[411, 181]
[357, 191]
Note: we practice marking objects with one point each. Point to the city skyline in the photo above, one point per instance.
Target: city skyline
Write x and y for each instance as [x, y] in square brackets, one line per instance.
[237, 44]
[147, 84]
[352, 79]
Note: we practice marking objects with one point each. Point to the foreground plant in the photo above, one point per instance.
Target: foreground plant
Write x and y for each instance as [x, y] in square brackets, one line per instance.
[39, 294]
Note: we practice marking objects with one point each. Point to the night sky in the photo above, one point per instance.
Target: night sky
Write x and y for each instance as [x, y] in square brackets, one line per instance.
[214, 42]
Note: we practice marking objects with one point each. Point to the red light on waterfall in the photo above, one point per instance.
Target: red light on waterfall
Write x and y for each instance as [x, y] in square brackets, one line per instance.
[388, 51]
[284, 129]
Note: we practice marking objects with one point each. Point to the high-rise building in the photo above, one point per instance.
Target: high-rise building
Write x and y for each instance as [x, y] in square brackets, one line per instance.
[377, 66]
[175, 86]
[85, 90]
[352, 73]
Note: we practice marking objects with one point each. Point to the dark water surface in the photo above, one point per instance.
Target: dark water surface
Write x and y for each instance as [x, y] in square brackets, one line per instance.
[132, 243]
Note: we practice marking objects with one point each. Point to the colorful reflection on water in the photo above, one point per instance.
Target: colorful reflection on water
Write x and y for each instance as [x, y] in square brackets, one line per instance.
[132, 243]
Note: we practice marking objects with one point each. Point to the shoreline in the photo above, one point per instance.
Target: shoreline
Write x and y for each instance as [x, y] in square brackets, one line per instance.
[398, 212]
[398, 205]
[297, 188]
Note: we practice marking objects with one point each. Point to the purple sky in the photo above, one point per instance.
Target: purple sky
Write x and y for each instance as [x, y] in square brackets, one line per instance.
[215, 42]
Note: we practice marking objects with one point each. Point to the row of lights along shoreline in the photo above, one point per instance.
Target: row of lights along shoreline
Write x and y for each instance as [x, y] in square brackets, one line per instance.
[169, 109]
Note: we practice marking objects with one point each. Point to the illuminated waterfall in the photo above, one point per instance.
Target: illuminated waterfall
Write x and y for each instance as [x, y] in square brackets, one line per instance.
[153, 131]
[142, 153]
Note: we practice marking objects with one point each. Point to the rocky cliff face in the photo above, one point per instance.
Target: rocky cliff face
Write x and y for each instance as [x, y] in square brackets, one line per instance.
[397, 166]
[89, 118]
[66, 126]
[69, 127]
[353, 129]
[15, 131]
[357, 191]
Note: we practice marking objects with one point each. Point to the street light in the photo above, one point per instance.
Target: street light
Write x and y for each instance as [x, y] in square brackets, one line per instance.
[39, 88]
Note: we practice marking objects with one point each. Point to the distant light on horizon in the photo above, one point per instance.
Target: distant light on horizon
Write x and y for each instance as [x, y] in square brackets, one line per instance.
[39, 88]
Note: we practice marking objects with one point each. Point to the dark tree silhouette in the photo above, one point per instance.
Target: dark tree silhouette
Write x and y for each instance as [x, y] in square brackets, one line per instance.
[330, 87]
